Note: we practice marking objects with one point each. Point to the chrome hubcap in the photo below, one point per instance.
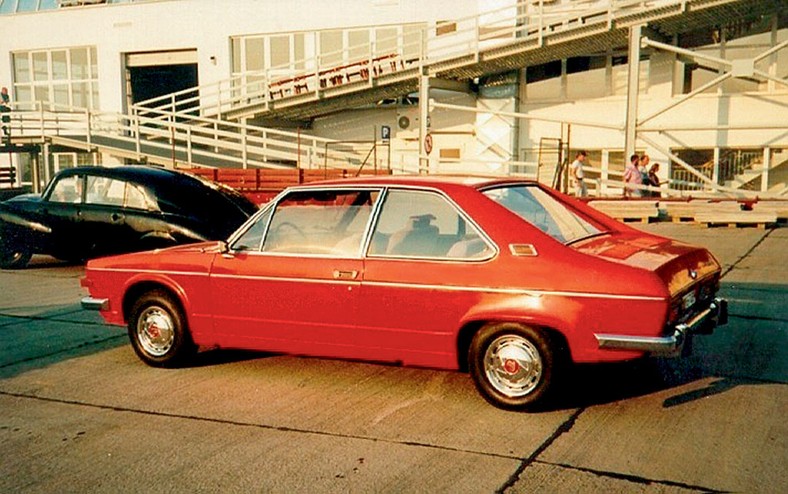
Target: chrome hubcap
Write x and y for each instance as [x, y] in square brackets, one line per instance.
[513, 365]
[155, 331]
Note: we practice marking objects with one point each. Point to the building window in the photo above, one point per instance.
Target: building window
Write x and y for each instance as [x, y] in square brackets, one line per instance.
[289, 53]
[66, 77]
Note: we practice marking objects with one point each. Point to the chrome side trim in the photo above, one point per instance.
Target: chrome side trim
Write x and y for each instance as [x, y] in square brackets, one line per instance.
[90, 303]
[417, 286]
[150, 271]
[716, 314]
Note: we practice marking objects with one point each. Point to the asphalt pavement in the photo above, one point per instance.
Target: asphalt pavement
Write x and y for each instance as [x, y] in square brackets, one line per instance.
[79, 412]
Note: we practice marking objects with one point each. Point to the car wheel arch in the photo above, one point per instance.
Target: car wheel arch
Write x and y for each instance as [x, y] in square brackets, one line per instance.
[137, 290]
[470, 328]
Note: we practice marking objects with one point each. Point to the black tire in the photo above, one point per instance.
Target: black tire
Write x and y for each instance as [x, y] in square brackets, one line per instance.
[159, 332]
[14, 256]
[513, 366]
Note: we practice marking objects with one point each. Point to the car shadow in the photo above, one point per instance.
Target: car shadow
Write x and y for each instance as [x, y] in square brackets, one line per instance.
[220, 356]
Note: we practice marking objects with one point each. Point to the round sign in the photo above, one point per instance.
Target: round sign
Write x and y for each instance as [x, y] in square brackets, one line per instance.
[428, 143]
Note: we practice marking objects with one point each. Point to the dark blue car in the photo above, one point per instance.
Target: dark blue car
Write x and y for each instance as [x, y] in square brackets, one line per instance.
[88, 212]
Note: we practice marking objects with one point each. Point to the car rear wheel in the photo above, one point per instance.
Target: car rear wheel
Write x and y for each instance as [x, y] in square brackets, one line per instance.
[14, 257]
[512, 365]
[158, 331]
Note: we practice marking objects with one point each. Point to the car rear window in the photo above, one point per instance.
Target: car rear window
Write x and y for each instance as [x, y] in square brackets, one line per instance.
[544, 211]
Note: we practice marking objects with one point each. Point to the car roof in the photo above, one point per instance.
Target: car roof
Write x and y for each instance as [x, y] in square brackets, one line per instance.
[434, 181]
[136, 172]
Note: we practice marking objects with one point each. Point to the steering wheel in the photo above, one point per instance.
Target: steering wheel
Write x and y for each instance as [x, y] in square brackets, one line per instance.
[288, 225]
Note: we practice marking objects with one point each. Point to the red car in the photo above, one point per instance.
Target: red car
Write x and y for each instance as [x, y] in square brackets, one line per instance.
[506, 279]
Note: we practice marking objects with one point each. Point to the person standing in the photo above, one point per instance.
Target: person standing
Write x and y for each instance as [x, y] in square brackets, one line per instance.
[578, 176]
[5, 107]
[632, 177]
[644, 179]
[653, 180]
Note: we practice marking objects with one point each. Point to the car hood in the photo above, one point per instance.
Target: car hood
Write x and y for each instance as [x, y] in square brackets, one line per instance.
[23, 198]
[189, 257]
[678, 264]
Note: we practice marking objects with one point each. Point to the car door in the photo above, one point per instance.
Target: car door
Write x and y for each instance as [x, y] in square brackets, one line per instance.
[102, 215]
[290, 282]
[424, 263]
[61, 210]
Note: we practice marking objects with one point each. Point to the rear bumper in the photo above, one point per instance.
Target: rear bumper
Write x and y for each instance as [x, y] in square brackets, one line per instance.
[716, 314]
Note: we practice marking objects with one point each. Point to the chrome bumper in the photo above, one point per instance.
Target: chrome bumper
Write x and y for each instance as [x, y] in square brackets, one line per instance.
[716, 314]
[91, 303]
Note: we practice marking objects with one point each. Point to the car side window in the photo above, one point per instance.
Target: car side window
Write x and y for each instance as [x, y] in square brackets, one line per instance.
[67, 189]
[425, 224]
[252, 238]
[320, 222]
[135, 197]
[104, 190]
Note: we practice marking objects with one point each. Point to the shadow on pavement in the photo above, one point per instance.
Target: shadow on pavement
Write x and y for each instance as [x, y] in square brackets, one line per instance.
[749, 350]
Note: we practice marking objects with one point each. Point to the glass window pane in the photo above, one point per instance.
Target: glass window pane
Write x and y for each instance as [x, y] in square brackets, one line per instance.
[61, 94]
[80, 94]
[7, 6]
[27, 6]
[59, 65]
[21, 67]
[320, 222]
[255, 54]
[135, 197]
[42, 93]
[93, 63]
[79, 63]
[424, 224]
[67, 189]
[236, 54]
[252, 239]
[48, 4]
[24, 94]
[40, 66]
[539, 208]
[280, 52]
[94, 94]
[85, 159]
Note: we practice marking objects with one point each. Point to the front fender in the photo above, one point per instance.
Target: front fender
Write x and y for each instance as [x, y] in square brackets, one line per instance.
[12, 217]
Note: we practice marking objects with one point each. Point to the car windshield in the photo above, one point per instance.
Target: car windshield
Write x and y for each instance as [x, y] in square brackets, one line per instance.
[543, 211]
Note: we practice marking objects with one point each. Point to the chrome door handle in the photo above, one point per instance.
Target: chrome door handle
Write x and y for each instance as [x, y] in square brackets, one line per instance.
[345, 275]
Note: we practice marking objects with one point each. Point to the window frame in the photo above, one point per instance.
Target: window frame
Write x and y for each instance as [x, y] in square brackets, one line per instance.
[369, 229]
[492, 247]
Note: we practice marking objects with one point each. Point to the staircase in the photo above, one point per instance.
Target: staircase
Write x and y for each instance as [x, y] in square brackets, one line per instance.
[746, 174]
[208, 125]
[163, 140]
[528, 33]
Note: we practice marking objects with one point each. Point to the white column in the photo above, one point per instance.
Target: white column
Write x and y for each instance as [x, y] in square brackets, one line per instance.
[633, 86]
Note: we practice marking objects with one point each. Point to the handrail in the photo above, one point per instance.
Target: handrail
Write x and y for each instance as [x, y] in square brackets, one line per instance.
[425, 48]
[229, 142]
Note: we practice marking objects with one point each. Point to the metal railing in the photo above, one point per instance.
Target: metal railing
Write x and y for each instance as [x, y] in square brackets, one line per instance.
[161, 138]
[436, 46]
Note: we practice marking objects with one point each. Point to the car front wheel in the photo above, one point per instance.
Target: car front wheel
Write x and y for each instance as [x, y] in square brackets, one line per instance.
[158, 331]
[13, 256]
[512, 366]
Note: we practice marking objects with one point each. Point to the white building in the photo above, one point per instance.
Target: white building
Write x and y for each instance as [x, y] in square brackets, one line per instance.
[516, 87]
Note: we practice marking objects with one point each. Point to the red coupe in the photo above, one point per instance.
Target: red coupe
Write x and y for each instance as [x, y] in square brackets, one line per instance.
[506, 279]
